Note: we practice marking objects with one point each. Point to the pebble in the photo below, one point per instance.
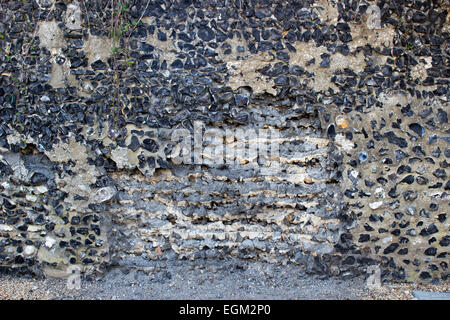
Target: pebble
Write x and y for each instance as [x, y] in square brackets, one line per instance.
[375, 205]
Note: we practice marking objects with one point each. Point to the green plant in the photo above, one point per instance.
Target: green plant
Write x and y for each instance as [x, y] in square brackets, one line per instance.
[120, 32]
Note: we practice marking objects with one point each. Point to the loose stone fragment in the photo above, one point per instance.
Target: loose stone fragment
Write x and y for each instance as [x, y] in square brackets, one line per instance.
[104, 194]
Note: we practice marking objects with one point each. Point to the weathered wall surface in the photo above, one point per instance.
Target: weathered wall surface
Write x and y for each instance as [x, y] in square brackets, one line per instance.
[91, 93]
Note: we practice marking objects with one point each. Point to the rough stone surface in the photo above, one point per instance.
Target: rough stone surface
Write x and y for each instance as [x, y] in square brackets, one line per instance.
[90, 100]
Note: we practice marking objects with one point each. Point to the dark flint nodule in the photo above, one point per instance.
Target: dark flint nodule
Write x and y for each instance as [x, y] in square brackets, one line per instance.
[98, 65]
[205, 33]
[38, 179]
[417, 128]
[150, 145]
[134, 143]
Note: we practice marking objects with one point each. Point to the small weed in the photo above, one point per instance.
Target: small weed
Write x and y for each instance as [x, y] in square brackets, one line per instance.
[120, 30]
[123, 7]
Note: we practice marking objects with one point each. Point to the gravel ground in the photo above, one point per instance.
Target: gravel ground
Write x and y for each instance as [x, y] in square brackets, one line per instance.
[231, 281]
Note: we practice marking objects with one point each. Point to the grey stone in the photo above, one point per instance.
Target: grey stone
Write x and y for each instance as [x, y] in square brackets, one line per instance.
[104, 194]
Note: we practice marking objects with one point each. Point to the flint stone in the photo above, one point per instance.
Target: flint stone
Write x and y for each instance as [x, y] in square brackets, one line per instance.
[104, 194]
